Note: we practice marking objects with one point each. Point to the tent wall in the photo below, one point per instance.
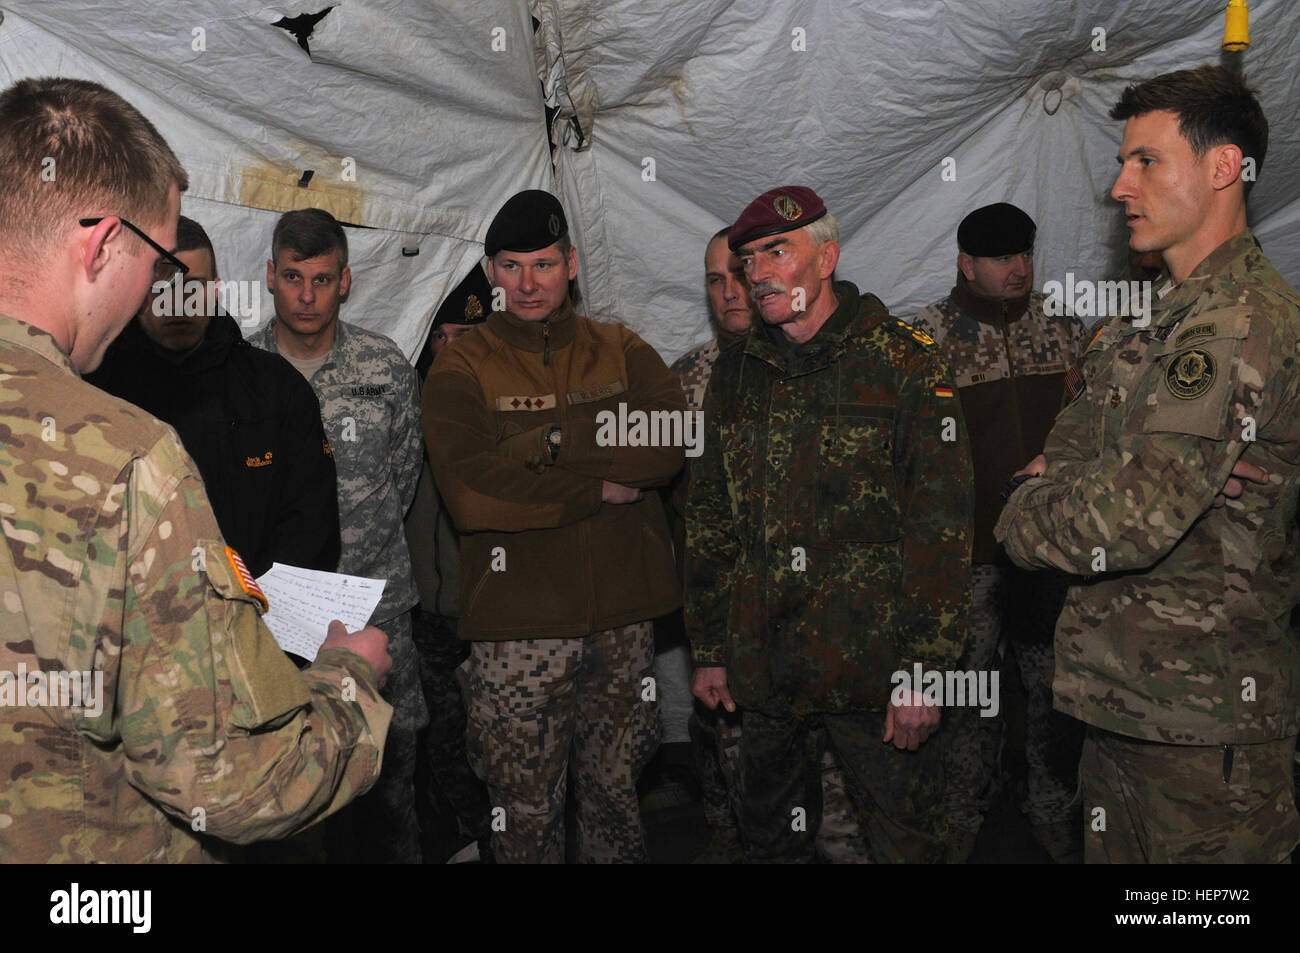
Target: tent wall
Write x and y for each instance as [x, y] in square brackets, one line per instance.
[441, 106]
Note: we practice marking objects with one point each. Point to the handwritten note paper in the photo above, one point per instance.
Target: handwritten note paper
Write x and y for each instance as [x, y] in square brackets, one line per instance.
[304, 601]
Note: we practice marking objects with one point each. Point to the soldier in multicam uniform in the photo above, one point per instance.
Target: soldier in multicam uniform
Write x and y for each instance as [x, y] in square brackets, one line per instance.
[828, 535]
[116, 567]
[564, 562]
[451, 802]
[369, 401]
[1177, 652]
[1009, 359]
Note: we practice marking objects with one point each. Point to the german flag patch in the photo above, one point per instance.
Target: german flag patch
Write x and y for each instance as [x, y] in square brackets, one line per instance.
[246, 580]
[943, 392]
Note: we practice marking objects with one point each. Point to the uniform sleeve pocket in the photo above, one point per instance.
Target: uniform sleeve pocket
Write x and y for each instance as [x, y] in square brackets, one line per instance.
[266, 686]
[1196, 378]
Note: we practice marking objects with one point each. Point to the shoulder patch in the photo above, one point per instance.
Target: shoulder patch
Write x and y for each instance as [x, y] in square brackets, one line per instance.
[1191, 374]
[229, 575]
[245, 578]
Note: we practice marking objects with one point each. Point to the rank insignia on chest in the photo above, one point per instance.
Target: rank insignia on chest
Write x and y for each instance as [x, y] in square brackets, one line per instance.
[246, 580]
[1074, 383]
[1191, 373]
[526, 402]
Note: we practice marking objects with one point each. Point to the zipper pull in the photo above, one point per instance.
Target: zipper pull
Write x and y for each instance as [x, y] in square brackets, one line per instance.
[546, 341]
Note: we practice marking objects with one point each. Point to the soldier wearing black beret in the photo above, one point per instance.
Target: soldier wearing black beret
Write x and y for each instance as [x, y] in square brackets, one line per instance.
[1010, 361]
[564, 561]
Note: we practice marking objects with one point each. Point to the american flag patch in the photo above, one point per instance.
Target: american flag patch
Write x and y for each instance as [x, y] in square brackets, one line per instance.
[1074, 383]
[943, 392]
[246, 580]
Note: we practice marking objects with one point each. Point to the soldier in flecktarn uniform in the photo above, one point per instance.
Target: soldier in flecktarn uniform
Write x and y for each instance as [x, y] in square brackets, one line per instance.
[1009, 359]
[828, 544]
[156, 714]
[1171, 479]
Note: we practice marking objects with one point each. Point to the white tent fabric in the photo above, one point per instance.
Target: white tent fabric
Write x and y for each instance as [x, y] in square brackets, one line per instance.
[441, 107]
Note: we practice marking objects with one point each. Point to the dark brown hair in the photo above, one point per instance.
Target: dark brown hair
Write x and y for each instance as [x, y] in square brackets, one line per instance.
[190, 236]
[1214, 107]
[309, 233]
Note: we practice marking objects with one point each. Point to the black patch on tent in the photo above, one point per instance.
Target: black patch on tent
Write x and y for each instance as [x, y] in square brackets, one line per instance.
[302, 26]
[306, 177]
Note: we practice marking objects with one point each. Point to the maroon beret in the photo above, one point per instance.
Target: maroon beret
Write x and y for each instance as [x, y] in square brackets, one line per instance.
[774, 212]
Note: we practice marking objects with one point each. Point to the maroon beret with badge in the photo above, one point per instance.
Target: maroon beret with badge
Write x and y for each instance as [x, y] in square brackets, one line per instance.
[781, 210]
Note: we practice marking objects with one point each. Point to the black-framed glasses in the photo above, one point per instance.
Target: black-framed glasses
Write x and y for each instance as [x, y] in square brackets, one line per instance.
[170, 269]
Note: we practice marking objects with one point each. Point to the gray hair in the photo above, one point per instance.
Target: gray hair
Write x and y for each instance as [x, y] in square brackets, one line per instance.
[824, 230]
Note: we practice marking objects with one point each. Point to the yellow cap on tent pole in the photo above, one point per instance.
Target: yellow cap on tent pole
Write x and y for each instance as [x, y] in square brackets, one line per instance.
[1236, 26]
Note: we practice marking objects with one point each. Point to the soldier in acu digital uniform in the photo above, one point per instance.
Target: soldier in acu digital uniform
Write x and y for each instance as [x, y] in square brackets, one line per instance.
[828, 540]
[115, 572]
[369, 401]
[564, 561]
[1009, 360]
[1176, 462]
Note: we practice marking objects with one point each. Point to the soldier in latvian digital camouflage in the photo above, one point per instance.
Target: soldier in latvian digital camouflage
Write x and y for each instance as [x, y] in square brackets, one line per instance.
[828, 540]
[564, 560]
[196, 725]
[1171, 478]
[1009, 358]
[369, 402]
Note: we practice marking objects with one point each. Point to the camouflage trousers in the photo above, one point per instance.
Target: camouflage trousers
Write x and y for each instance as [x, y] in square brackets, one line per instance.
[535, 704]
[898, 795]
[715, 738]
[381, 827]
[973, 744]
[839, 837]
[1169, 804]
[446, 786]
[715, 745]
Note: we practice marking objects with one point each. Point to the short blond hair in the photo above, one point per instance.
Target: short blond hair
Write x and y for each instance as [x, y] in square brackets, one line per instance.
[70, 149]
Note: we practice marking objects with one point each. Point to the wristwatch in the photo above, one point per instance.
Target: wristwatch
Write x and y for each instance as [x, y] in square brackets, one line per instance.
[554, 437]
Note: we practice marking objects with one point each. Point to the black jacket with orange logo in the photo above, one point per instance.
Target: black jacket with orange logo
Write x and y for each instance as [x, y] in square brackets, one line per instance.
[252, 424]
